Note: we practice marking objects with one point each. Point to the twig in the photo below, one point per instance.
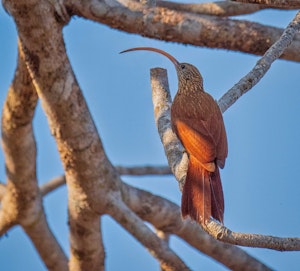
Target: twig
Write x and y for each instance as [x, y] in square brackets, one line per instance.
[52, 184]
[122, 170]
[252, 240]
[143, 170]
[262, 65]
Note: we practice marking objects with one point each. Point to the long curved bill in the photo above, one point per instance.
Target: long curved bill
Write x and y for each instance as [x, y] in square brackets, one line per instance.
[173, 59]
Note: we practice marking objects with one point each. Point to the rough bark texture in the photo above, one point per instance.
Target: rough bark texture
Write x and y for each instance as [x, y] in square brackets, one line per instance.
[22, 201]
[273, 3]
[94, 184]
[176, 26]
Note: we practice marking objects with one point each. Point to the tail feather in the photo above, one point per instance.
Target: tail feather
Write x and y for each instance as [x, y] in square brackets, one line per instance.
[217, 203]
[202, 194]
[196, 194]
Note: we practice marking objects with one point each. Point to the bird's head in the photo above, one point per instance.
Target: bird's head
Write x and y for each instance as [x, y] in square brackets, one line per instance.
[188, 75]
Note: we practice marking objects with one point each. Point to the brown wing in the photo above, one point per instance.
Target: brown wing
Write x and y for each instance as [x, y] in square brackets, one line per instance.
[222, 147]
[201, 130]
[218, 133]
[196, 144]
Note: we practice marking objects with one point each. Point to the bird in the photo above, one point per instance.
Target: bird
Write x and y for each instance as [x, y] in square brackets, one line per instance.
[197, 121]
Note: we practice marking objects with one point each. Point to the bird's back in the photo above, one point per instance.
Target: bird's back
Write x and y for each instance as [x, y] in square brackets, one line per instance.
[198, 122]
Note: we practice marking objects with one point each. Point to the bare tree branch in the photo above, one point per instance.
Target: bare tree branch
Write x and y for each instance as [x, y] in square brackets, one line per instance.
[169, 25]
[46, 244]
[252, 240]
[177, 158]
[149, 3]
[60, 10]
[81, 151]
[165, 216]
[157, 247]
[22, 202]
[52, 185]
[87, 252]
[291, 4]
[94, 185]
[132, 171]
[221, 8]
[143, 170]
[262, 65]
[163, 235]
[6, 222]
[166, 237]
[162, 117]
[2, 190]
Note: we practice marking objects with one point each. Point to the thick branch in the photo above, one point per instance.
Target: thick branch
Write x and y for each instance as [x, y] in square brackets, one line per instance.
[169, 25]
[2, 190]
[46, 244]
[165, 216]
[135, 198]
[290, 4]
[162, 110]
[166, 237]
[85, 238]
[93, 183]
[221, 8]
[22, 201]
[80, 148]
[156, 246]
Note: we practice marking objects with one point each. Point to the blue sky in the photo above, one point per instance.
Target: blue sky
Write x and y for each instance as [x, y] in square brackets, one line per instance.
[261, 176]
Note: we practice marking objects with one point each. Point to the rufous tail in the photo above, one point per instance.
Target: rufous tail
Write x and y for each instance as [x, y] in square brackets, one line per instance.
[202, 194]
[217, 197]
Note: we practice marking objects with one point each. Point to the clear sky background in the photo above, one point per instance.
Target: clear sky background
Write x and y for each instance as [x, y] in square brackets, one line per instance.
[261, 176]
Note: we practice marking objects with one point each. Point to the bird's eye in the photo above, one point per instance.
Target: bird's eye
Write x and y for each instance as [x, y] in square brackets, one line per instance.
[182, 66]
